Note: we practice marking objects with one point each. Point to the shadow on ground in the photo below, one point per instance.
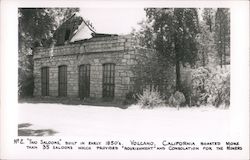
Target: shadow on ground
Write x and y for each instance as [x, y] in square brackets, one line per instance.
[23, 130]
[74, 101]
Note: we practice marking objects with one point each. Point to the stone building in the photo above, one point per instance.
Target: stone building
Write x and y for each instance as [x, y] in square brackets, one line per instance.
[96, 67]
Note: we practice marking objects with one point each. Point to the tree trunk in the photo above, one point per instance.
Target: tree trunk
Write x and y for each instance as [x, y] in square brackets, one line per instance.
[203, 58]
[178, 75]
[220, 49]
[221, 57]
[224, 47]
[177, 65]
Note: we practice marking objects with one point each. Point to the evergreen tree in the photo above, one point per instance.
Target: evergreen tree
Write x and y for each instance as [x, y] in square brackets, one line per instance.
[208, 15]
[176, 30]
[206, 49]
[222, 34]
[145, 35]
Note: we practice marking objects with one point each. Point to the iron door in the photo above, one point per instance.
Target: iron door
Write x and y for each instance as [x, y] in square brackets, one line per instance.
[45, 81]
[108, 80]
[84, 81]
[62, 79]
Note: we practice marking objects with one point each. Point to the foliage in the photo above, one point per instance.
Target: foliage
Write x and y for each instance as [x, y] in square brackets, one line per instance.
[205, 38]
[218, 88]
[25, 84]
[208, 15]
[186, 89]
[210, 86]
[222, 34]
[153, 70]
[181, 38]
[35, 28]
[150, 98]
[130, 98]
[214, 37]
[177, 99]
[37, 25]
[145, 35]
[205, 44]
[175, 32]
[62, 14]
[200, 77]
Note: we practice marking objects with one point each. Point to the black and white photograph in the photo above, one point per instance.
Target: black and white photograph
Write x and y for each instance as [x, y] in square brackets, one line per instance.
[177, 59]
[93, 81]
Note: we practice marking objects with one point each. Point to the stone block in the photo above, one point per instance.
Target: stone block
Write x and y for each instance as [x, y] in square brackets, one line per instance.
[125, 80]
[124, 61]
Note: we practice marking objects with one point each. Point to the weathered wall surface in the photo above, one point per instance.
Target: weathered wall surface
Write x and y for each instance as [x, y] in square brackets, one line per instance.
[119, 50]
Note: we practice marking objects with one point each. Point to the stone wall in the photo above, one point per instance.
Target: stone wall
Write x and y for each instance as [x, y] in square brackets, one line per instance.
[119, 50]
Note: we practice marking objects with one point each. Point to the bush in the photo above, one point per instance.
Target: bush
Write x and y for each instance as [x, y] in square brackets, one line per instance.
[130, 98]
[186, 89]
[25, 84]
[200, 77]
[210, 86]
[177, 99]
[150, 98]
[153, 70]
[218, 88]
[226, 91]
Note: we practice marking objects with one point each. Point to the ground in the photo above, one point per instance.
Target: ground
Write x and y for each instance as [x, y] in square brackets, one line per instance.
[43, 119]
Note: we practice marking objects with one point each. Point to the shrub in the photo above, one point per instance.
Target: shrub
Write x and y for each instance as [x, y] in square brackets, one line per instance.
[150, 98]
[130, 98]
[186, 89]
[25, 84]
[226, 91]
[153, 70]
[200, 77]
[177, 99]
[210, 86]
[218, 88]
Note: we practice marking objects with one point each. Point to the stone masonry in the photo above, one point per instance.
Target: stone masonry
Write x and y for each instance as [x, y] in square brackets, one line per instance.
[119, 50]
